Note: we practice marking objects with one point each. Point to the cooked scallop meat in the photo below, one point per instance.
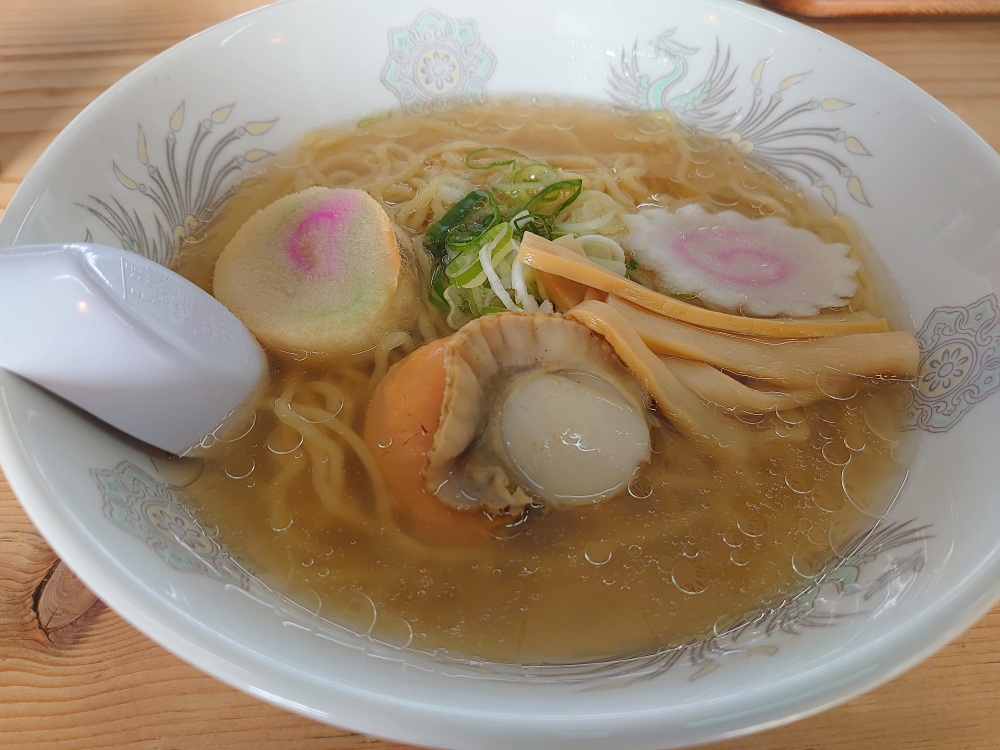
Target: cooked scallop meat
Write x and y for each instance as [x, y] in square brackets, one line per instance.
[537, 410]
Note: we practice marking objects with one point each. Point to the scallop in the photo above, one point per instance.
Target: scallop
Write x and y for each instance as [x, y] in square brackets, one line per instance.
[537, 410]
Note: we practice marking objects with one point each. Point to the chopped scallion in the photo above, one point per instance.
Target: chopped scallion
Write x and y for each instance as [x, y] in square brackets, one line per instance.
[474, 213]
[472, 245]
[554, 198]
[489, 157]
[466, 270]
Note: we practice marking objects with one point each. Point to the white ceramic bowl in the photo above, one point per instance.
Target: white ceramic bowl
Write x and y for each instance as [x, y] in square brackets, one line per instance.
[918, 182]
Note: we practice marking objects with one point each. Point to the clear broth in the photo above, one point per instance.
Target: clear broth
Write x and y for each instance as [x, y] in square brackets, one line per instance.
[694, 546]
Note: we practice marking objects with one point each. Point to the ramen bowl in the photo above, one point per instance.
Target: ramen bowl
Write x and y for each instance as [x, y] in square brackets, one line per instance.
[144, 165]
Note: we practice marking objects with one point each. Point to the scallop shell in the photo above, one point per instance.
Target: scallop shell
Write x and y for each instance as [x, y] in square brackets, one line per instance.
[470, 462]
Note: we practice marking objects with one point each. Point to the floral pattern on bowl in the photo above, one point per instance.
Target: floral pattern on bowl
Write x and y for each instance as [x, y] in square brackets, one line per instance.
[436, 62]
[793, 137]
[149, 510]
[185, 177]
[959, 364]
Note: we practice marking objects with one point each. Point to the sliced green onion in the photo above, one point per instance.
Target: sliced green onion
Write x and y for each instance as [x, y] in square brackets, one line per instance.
[599, 246]
[474, 213]
[591, 211]
[463, 268]
[466, 269]
[516, 187]
[536, 172]
[462, 242]
[473, 244]
[488, 157]
[495, 284]
[520, 218]
[536, 225]
[457, 242]
[460, 307]
[550, 201]
[437, 289]
[519, 284]
[586, 227]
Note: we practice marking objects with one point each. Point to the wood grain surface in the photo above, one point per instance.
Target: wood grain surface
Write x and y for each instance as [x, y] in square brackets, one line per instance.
[74, 675]
[840, 8]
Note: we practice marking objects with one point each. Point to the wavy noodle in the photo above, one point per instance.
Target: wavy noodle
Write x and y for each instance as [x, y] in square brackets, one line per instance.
[327, 417]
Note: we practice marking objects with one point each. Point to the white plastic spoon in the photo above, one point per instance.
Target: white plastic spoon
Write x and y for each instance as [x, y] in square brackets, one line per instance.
[126, 339]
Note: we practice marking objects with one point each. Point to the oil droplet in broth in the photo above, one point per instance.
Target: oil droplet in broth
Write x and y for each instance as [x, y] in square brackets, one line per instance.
[836, 452]
[854, 437]
[790, 416]
[809, 563]
[176, 472]
[828, 411]
[598, 553]
[392, 629]
[739, 557]
[869, 480]
[354, 610]
[829, 498]
[664, 563]
[725, 623]
[883, 415]
[640, 488]
[230, 432]
[689, 576]
[281, 519]
[799, 479]
[239, 467]
[752, 524]
[283, 440]
[837, 386]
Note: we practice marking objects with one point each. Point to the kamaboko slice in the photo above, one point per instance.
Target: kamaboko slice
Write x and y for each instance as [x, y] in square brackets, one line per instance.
[760, 267]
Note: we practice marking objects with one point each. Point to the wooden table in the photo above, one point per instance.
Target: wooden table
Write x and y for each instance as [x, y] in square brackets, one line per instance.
[74, 675]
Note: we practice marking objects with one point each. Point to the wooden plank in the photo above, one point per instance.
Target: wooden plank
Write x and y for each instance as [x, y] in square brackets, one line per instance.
[838, 8]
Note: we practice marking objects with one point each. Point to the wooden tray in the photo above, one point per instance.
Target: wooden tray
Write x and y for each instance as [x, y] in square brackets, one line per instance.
[834, 8]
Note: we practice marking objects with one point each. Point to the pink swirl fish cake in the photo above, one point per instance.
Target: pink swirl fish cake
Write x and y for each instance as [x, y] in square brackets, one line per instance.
[321, 271]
